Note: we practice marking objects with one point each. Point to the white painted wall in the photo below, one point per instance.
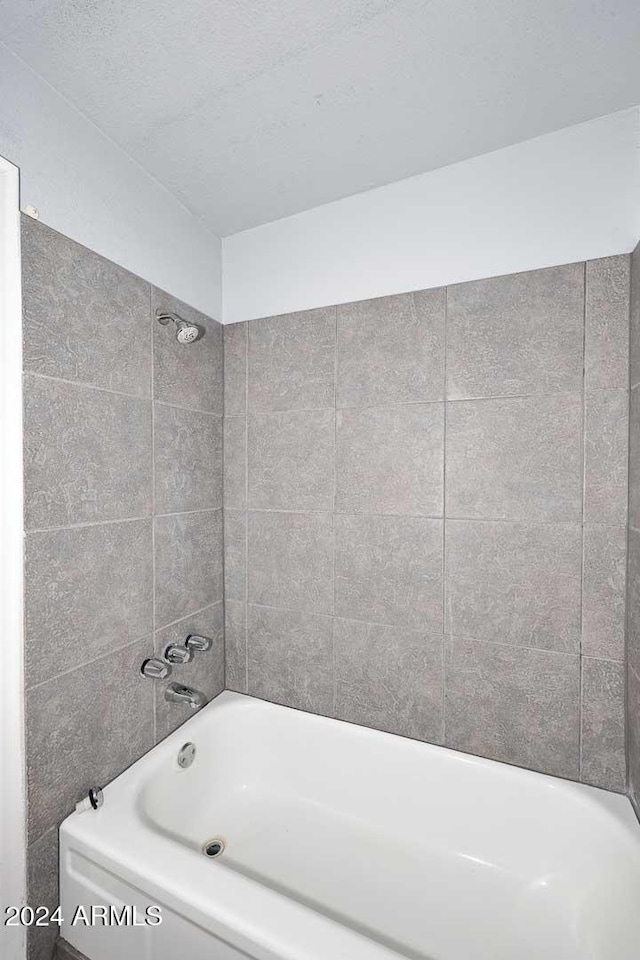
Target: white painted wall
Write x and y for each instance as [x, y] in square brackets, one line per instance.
[567, 196]
[86, 187]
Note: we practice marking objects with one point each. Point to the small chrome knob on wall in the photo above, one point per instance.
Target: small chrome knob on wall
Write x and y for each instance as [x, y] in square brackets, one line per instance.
[155, 669]
[177, 654]
[197, 643]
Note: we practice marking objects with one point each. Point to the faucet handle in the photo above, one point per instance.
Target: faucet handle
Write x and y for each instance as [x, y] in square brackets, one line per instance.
[177, 654]
[155, 669]
[197, 643]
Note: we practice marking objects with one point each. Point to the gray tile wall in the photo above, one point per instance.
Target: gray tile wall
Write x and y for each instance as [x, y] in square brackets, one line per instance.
[633, 567]
[425, 515]
[123, 516]
[425, 519]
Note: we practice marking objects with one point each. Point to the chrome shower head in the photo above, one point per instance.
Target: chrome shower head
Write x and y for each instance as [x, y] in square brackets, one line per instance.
[185, 332]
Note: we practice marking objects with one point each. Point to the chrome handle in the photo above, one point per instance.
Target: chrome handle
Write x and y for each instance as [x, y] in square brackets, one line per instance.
[155, 669]
[197, 643]
[176, 654]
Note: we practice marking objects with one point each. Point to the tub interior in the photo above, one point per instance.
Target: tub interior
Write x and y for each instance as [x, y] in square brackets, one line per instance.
[434, 854]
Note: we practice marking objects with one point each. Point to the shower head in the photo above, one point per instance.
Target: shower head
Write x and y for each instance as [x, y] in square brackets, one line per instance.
[185, 332]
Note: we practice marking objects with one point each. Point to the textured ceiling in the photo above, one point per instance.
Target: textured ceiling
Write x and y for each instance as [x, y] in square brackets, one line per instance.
[250, 110]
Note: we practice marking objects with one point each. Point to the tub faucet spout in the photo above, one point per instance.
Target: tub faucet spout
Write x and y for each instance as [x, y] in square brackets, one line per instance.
[179, 693]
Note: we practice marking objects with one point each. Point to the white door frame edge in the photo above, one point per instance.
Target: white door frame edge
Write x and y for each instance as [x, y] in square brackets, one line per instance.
[12, 741]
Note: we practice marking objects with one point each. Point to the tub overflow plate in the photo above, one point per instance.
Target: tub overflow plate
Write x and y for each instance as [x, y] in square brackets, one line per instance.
[186, 755]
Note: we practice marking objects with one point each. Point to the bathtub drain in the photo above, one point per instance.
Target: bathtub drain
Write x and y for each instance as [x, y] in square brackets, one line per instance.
[213, 848]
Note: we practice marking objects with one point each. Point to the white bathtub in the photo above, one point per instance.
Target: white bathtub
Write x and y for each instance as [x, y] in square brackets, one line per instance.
[343, 843]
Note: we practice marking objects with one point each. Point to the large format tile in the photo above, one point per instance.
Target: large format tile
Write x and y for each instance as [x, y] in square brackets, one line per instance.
[42, 891]
[235, 463]
[235, 644]
[606, 356]
[389, 570]
[85, 318]
[517, 334]
[205, 673]
[88, 590]
[389, 678]
[188, 564]
[291, 460]
[515, 459]
[606, 456]
[391, 350]
[291, 658]
[42, 871]
[390, 459]
[292, 361]
[188, 459]
[235, 369]
[235, 555]
[634, 458]
[516, 705]
[87, 454]
[633, 602]
[99, 719]
[603, 591]
[187, 374]
[515, 583]
[290, 560]
[603, 740]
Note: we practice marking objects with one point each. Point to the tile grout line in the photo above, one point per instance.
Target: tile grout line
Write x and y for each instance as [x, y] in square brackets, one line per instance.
[183, 406]
[143, 398]
[191, 613]
[87, 663]
[423, 630]
[88, 386]
[108, 523]
[433, 518]
[430, 401]
[43, 836]
[425, 402]
[591, 656]
[189, 513]
[87, 524]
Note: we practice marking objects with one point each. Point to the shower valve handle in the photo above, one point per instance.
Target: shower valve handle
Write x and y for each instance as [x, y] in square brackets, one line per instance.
[155, 669]
[197, 643]
[177, 654]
